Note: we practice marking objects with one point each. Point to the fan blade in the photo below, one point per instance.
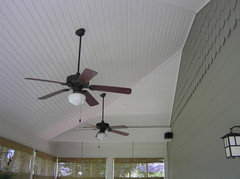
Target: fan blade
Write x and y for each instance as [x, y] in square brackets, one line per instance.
[36, 79]
[90, 99]
[89, 126]
[118, 127]
[84, 129]
[146, 127]
[54, 93]
[87, 75]
[113, 89]
[119, 132]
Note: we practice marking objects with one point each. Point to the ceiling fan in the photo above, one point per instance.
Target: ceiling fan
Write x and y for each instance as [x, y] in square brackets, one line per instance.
[103, 126]
[78, 82]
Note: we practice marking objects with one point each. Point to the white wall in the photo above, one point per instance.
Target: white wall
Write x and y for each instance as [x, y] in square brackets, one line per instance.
[207, 100]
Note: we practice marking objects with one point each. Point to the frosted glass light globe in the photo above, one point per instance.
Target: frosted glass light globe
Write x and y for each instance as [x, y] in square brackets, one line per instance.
[76, 98]
[102, 135]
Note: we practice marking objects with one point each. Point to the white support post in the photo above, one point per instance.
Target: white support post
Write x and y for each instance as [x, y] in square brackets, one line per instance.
[32, 164]
[166, 166]
[56, 169]
[110, 168]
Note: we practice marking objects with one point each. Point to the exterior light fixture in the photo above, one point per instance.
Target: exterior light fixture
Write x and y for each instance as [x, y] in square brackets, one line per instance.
[232, 143]
[76, 98]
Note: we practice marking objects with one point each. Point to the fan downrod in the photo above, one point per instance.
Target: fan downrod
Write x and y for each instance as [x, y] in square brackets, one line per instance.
[103, 95]
[80, 32]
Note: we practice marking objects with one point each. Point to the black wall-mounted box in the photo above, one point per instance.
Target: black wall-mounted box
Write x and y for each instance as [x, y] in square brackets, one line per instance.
[168, 135]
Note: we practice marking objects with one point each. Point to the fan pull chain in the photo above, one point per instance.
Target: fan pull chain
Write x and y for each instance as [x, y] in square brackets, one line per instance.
[80, 120]
[99, 144]
[82, 149]
[132, 148]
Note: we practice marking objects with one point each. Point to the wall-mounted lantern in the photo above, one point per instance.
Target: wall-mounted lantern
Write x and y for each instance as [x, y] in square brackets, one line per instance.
[232, 143]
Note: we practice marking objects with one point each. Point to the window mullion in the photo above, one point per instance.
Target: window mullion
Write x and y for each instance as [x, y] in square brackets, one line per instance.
[147, 169]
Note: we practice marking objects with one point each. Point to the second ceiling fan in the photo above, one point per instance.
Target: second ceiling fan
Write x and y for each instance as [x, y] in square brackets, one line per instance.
[79, 82]
[103, 126]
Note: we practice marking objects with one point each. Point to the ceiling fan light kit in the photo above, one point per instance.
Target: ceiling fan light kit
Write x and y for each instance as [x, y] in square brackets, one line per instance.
[76, 98]
[101, 135]
[78, 82]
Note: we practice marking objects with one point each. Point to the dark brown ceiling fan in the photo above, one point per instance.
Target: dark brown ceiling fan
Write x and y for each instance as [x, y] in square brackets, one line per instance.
[103, 126]
[78, 82]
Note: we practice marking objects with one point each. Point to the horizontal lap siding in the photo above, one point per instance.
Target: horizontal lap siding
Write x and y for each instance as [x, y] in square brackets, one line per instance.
[207, 99]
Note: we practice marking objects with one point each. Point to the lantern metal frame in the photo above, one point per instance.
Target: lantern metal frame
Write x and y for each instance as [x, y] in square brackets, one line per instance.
[232, 143]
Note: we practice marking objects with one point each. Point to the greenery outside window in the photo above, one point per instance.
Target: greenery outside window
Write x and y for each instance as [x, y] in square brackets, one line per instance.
[82, 168]
[14, 159]
[138, 168]
[44, 166]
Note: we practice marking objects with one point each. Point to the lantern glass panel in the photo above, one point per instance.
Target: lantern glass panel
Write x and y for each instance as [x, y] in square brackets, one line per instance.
[227, 152]
[226, 142]
[232, 140]
[235, 151]
[238, 140]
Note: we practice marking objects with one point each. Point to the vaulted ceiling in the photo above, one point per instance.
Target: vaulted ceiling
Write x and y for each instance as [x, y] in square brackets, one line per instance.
[133, 44]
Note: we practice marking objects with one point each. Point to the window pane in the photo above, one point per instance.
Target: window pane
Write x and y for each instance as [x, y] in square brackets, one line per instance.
[2, 158]
[50, 168]
[122, 169]
[37, 166]
[99, 170]
[14, 156]
[238, 140]
[138, 168]
[24, 162]
[14, 161]
[82, 168]
[232, 140]
[235, 151]
[65, 169]
[226, 142]
[156, 169]
[227, 152]
[44, 165]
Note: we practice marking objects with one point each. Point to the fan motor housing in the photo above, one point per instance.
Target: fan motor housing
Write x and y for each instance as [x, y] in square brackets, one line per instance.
[72, 78]
[102, 126]
[73, 83]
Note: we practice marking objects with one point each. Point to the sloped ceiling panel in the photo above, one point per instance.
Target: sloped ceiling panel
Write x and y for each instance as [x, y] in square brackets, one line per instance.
[150, 105]
[124, 42]
[186, 4]
[153, 96]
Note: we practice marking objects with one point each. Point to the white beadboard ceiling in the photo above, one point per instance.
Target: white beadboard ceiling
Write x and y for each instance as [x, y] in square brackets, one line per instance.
[124, 42]
[149, 105]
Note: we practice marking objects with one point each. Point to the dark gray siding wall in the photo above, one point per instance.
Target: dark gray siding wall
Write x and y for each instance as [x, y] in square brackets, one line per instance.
[207, 99]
